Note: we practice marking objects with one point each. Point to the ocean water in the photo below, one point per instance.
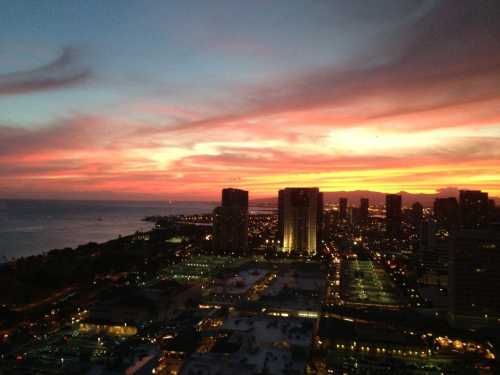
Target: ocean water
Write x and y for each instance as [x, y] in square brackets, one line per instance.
[30, 227]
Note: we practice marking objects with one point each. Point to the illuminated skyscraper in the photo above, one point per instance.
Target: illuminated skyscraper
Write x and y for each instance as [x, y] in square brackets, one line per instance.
[393, 214]
[300, 216]
[230, 222]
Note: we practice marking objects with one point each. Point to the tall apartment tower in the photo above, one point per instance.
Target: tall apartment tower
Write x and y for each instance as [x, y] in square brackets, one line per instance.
[234, 198]
[230, 222]
[320, 220]
[300, 218]
[493, 212]
[446, 212]
[473, 275]
[434, 245]
[342, 208]
[416, 213]
[393, 214]
[364, 204]
[474, 209]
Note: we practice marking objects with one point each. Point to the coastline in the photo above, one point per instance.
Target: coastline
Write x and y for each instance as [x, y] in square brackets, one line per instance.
[30, 227]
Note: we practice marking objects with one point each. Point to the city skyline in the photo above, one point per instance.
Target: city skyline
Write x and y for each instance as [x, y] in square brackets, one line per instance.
[171, 100]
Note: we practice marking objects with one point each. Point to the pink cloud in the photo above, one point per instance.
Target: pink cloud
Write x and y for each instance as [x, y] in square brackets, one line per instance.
[281, 133]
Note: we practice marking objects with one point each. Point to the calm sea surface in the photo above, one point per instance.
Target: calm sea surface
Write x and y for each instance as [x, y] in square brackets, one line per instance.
[30, 227]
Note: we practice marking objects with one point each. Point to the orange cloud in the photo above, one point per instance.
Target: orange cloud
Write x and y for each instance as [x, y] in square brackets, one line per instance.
[426, 117]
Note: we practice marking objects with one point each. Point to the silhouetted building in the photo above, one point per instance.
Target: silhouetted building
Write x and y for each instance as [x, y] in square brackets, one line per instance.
[474, 207]
[417, 212]
[300, 218]
[354, 214]
[474, 262]
[493, 212]
[330, 220]
[321, 220]
[343, 208]
[446, 211]
[280, 218]
[230, 222]
[434, 244]
[364, 204]
[393, 214]
[234, 198]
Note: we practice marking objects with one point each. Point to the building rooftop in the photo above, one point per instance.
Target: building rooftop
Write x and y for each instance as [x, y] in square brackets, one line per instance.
[269, 331]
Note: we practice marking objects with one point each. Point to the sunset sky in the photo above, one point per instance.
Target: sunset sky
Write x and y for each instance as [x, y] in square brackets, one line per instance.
[178, 99]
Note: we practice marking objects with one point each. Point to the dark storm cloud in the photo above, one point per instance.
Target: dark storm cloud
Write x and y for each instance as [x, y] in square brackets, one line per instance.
[64, 71]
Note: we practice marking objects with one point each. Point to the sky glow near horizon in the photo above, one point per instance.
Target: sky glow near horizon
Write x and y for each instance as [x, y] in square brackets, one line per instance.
[178, 99]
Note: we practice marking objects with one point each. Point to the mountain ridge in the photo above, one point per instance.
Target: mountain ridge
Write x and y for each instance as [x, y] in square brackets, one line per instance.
[376, 197]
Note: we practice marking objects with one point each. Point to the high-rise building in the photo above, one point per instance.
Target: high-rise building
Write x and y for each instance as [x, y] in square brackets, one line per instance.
[393, 214]
[354, 215]
[234, 198]
[473, 275]
[230, 222]
[343, 208]
[417, 211]
[493, 212]
[300, 217]
[364, 204]
[474, 209]
[446, 212]
[281, 206]
[320, 220]
[434, 244]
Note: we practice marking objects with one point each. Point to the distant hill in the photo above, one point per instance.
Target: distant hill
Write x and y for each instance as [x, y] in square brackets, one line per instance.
[376, 197]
